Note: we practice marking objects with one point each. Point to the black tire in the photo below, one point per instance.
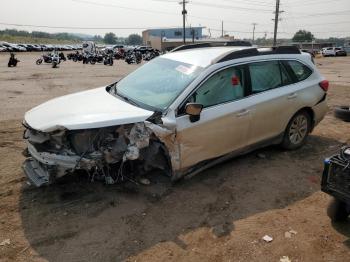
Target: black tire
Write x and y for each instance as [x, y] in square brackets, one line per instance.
[54, 64]
[342, 113]
[297, 131]
[39, 61]
[338, 211]
[92, 62]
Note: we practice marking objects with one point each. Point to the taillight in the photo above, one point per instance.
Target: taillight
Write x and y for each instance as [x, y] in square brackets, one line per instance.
[324, 85]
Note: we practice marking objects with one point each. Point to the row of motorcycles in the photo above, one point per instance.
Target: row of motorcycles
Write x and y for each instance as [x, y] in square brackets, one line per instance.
[107, 57]
[135, 56]
[53, 58]
[91, 58]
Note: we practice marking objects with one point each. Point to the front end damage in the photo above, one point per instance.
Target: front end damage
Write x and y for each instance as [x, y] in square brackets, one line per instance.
[114, 154]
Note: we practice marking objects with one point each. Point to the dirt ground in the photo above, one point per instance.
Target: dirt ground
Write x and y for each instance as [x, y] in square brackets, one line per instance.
[219, 215]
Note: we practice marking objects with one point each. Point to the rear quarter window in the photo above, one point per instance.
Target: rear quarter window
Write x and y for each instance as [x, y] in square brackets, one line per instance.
[300, 70]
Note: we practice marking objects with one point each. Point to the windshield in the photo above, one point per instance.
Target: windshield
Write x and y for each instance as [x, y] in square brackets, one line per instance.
[157, 83]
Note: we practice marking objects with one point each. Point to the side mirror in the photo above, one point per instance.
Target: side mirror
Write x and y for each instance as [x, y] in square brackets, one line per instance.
[194, 111]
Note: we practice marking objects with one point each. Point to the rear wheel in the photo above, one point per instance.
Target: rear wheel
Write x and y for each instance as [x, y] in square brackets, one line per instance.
[297, 131]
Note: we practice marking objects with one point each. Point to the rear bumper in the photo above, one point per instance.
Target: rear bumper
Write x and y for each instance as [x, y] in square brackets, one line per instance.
[320, 110]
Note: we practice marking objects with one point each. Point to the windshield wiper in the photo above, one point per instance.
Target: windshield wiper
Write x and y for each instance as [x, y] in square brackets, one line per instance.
[127, 99]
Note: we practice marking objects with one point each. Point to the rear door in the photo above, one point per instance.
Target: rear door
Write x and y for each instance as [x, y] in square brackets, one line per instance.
[274, 98]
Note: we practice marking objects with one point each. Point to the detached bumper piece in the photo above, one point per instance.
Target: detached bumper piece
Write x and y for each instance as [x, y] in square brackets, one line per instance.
[336, 178]
[36, 173]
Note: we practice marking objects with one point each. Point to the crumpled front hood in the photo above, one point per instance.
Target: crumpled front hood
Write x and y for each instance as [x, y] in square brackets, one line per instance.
[88, 109]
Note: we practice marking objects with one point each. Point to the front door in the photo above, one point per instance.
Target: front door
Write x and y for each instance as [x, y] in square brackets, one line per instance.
[224, 122]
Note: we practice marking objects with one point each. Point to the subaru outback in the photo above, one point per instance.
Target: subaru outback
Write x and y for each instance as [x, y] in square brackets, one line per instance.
[182, 112]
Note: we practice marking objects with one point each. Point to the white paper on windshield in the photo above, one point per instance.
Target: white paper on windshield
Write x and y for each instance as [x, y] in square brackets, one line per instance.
[185, 70]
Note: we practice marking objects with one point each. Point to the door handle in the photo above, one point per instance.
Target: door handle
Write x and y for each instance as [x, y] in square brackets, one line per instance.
[244, 112]
[292, 96]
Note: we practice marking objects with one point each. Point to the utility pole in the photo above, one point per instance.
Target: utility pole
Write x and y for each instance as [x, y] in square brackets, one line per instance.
[184, 13]
[277, 12]
[254, 25]
[222, 29]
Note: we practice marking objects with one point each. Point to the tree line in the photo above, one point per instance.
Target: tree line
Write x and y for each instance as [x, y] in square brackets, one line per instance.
[109, 38]
[39, 34]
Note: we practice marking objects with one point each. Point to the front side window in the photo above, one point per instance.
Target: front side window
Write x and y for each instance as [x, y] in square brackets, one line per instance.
[265, 76]
[224, 86]
[300, 70]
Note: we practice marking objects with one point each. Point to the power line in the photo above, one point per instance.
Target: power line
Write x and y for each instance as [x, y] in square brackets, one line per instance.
[153, 11]
[344, 12]
[255, 3]
[124, 7]
[238, 8]
[304, 2]
[76, 27]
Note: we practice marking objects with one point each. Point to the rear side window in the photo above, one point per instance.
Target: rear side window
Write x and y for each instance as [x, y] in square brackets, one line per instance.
[300, 70]
[265, 76]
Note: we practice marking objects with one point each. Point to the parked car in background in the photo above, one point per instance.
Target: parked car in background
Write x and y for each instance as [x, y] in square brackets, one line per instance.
[13, 47]
[8, 47]
[3, 48]
[339, 51]
[143, 49]
[24, 47]
[333, 51]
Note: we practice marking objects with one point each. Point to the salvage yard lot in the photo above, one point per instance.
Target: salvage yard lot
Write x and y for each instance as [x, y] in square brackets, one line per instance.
[219, 215]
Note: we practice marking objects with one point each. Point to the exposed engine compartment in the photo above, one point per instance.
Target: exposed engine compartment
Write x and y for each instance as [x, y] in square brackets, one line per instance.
[115, 154]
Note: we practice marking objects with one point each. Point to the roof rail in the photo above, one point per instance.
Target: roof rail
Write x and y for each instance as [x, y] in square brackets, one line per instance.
[285, 49]
[191, 46]
[212, 44]
[238, 54]
[257, 52]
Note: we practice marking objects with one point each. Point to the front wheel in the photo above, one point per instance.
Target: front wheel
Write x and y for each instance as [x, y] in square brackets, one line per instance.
[297, 131]
[54, 64]
[39, 61]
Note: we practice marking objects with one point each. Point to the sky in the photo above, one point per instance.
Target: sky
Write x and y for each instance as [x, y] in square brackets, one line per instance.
[324, 18]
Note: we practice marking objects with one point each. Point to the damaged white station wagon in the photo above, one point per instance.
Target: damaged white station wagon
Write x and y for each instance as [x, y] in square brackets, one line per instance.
[182, 112]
